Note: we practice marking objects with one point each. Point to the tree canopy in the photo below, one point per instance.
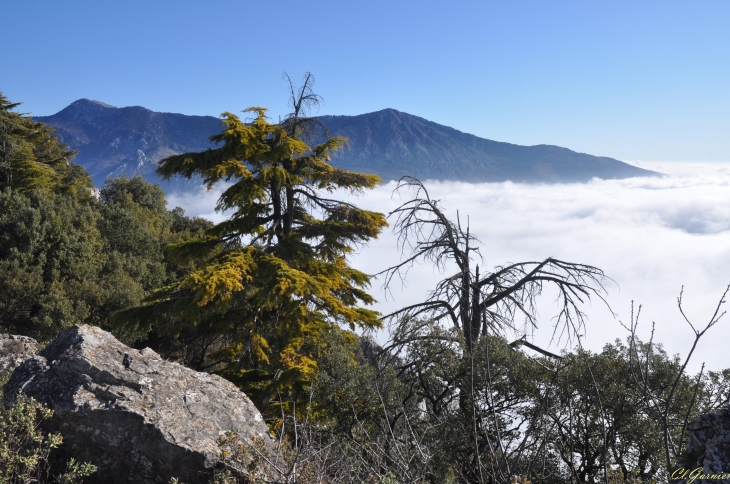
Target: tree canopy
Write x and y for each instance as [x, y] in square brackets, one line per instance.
[64, 262]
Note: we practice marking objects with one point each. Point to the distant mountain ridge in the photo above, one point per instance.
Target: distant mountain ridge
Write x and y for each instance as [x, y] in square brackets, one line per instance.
[112, 141]
[392, 143]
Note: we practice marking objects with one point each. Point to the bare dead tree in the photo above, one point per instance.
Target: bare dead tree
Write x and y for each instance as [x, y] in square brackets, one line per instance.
[477, 302]
[472, 300]
[302, 102]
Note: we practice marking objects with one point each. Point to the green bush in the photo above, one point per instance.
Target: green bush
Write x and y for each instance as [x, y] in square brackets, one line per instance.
[25, 450]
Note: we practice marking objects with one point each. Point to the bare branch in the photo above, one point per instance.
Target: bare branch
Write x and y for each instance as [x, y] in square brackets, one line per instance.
[425, 234]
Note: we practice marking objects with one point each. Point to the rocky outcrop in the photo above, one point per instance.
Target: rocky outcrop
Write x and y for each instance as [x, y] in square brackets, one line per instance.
[136, 416]
[13, 351]
[708, 443]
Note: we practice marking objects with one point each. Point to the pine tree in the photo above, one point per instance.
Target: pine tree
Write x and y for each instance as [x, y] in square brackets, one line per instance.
[276, 274]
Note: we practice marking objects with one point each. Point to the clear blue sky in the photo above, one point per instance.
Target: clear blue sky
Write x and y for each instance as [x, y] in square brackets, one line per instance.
[636, 80]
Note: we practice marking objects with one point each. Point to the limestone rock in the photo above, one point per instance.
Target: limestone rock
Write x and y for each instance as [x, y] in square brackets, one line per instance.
[708, 442]
[13, 351]
[136, 416]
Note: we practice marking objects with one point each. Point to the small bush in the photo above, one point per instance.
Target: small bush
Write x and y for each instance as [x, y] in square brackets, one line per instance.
[25, 450]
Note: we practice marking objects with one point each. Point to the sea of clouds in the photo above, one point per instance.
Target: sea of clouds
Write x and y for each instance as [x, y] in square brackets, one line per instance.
[651, 236]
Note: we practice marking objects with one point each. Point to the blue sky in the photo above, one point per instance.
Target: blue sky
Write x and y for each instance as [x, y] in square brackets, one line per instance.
[633, 80]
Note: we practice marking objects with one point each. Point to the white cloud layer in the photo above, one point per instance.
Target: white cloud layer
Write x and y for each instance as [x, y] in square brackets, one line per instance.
[650, 235]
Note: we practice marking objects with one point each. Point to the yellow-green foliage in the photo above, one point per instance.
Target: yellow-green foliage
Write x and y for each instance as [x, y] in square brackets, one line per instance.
[275, 274]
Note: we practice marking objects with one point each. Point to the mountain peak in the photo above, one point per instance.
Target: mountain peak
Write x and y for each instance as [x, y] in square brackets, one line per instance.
[93, 102]
[85, 103]
[388, 111]
[84, 108]
[393, 143]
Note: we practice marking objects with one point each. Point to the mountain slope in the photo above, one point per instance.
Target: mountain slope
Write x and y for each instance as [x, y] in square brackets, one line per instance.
[392, 143]
[112, 141]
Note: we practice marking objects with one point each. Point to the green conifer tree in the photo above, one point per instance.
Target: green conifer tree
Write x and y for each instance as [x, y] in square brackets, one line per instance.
[276, 274]
[31, 158]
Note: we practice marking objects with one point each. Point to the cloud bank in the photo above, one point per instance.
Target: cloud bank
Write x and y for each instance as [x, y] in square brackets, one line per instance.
[650, 235]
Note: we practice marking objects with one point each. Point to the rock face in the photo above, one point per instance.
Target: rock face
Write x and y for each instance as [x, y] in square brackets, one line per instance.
[709, 442]
[136, 416]
[13, 351]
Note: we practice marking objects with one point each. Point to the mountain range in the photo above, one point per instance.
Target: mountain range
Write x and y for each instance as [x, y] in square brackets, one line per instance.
[113, 141]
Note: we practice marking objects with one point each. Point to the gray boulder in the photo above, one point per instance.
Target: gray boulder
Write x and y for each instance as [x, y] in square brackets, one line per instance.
[13, 351]
[136, 416]
[708, 444]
